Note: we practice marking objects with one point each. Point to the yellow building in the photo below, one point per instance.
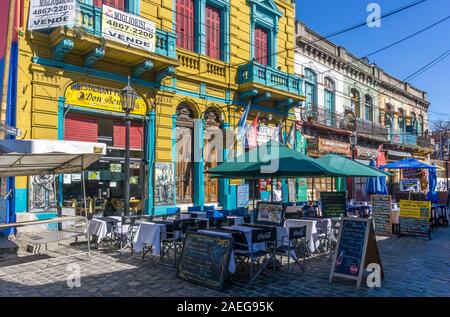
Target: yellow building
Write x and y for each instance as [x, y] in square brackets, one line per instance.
[195, 65]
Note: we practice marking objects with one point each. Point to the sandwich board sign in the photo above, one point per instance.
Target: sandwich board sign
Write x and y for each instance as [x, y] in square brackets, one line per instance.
[415, 218]
[381, 210]
[356, 249]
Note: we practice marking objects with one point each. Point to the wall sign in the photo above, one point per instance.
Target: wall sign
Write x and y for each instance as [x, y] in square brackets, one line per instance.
[42, 193]
[333, 146]
[410, 185]
[47, 14]
[356, 248]
[164, 184]
[205, 259]
[98, 97]
[270, 214]
[128, 29]
[381, 210]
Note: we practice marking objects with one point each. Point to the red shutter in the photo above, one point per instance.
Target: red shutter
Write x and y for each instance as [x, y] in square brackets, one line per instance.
[212, 32]
[118, 4]
[185, 24]
[261, 51]
[136, 135]
[79, 128]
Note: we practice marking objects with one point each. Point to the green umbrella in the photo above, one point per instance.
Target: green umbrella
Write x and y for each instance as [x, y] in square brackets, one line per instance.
[273, 160]
[349, 167]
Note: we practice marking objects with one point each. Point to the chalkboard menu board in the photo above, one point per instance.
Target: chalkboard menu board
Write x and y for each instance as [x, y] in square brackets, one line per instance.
[381, 210]
[357, 248]
[351, 247]
[205, 259]
[334, 204]
[415, 217]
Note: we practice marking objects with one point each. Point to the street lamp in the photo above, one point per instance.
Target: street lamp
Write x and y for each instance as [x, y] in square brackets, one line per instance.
[128, 101]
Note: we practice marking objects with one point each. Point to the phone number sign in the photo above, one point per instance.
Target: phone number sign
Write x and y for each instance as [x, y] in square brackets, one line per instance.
[47, 14]
[128, 29]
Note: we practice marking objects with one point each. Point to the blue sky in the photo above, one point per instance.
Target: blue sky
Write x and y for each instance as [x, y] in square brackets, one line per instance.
[328, 16]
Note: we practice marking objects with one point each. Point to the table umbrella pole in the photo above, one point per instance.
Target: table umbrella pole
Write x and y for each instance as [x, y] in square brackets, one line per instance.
[253, 191]
[271, 188]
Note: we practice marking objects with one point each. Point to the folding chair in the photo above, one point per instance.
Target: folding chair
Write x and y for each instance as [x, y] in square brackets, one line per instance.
[335, 227]
[294, 241]
[173, 239]
[246, 253]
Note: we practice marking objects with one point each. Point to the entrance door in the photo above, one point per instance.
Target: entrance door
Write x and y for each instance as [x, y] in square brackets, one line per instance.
[185, 155]
[213, 143]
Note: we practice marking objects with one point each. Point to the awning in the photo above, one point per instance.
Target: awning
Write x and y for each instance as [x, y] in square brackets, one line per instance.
[41, 157]
[399, 154]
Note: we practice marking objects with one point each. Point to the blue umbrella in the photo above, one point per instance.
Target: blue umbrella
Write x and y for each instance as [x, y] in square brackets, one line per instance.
[408, 163]
[376, 185]
[432, 182]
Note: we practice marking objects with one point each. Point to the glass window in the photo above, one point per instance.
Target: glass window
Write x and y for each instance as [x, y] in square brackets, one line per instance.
[356, 102]
[420, 126]
[310, 89]
[329, 102]
[368, 108]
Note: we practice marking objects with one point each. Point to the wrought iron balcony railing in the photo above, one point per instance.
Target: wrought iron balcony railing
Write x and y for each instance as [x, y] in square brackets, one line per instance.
[269, 76]
[325, 117]
[89, 18]
[372, 130]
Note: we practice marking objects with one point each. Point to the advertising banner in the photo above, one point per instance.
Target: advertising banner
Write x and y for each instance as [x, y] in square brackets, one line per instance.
[128, 29]
[47, 14]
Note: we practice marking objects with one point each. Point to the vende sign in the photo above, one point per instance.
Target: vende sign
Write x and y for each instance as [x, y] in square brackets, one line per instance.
[46, 14]
[128, 29]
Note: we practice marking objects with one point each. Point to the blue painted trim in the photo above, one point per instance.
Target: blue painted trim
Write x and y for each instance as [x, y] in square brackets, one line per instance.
[202, 90]
[62, 48]
[47, 215]
[174, 16]
[151, 159]
[199, 177]
[93, 57]
[133, 6]
[174, 156]
[200, 26]
[21, 199]
[61, 103]
[225, 192]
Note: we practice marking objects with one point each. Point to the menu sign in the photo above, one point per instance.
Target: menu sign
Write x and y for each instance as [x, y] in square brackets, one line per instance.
[356, 249]
[243, 195]
[415, 217]
[291, 189]
[270, 214]
[381, 209]
[334, 204]
[410, 185]
[205, 259]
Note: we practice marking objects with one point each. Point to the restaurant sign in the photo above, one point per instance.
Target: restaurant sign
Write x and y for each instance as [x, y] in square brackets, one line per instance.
[415, 209]
[98, 97]
[366, 152]
[333, 146]
[128, 29]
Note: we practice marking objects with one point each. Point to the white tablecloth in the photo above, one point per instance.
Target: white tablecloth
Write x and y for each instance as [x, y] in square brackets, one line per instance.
[248, 235]
[149, 233]
[97, 227]
[237, 220]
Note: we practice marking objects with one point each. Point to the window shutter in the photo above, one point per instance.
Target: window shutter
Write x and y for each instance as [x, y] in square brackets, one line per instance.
[118, 4]
[79, 128]
[185, 24]
[212, 32]
[136, 135]
[261, 46]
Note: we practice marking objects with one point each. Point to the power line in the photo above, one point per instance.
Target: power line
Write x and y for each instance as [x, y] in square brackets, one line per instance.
[407, 37]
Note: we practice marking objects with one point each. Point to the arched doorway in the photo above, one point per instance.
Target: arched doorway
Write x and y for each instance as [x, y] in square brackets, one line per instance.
[212, 151]
[185, 153]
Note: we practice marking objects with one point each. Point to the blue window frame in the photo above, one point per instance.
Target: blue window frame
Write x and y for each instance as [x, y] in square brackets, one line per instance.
[329, 101]
[368, 108]
[310, 89]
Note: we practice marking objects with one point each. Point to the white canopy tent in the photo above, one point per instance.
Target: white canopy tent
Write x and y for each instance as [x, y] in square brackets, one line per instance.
[44, 157]
[41, 157]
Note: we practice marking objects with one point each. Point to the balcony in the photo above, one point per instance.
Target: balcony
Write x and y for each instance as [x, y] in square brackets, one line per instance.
[405, 138]
[326, 118]
[193, 64]
[371, 130]
[425, 142]
[267, 79]
[86, 45]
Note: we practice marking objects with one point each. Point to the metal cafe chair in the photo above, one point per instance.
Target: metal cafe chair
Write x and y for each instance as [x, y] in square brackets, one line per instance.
[294, 241]
[246, 255]
[124, 239]
[172, 240]
[333, 238]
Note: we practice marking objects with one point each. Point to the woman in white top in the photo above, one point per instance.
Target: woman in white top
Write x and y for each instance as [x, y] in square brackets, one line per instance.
[277, 193]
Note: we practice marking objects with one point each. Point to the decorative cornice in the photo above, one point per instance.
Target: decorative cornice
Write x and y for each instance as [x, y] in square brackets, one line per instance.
[143, 67]
[93, 56]
[62, 48]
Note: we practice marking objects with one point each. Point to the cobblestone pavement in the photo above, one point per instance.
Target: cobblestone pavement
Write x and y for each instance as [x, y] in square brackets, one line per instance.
[414, 266]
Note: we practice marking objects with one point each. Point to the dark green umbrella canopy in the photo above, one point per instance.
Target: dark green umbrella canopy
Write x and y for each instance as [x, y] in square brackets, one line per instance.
[349, 167]
[273, 160]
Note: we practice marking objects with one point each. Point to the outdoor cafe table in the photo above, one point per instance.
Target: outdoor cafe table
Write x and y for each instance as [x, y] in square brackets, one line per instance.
[102, 226]
[149, 233]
